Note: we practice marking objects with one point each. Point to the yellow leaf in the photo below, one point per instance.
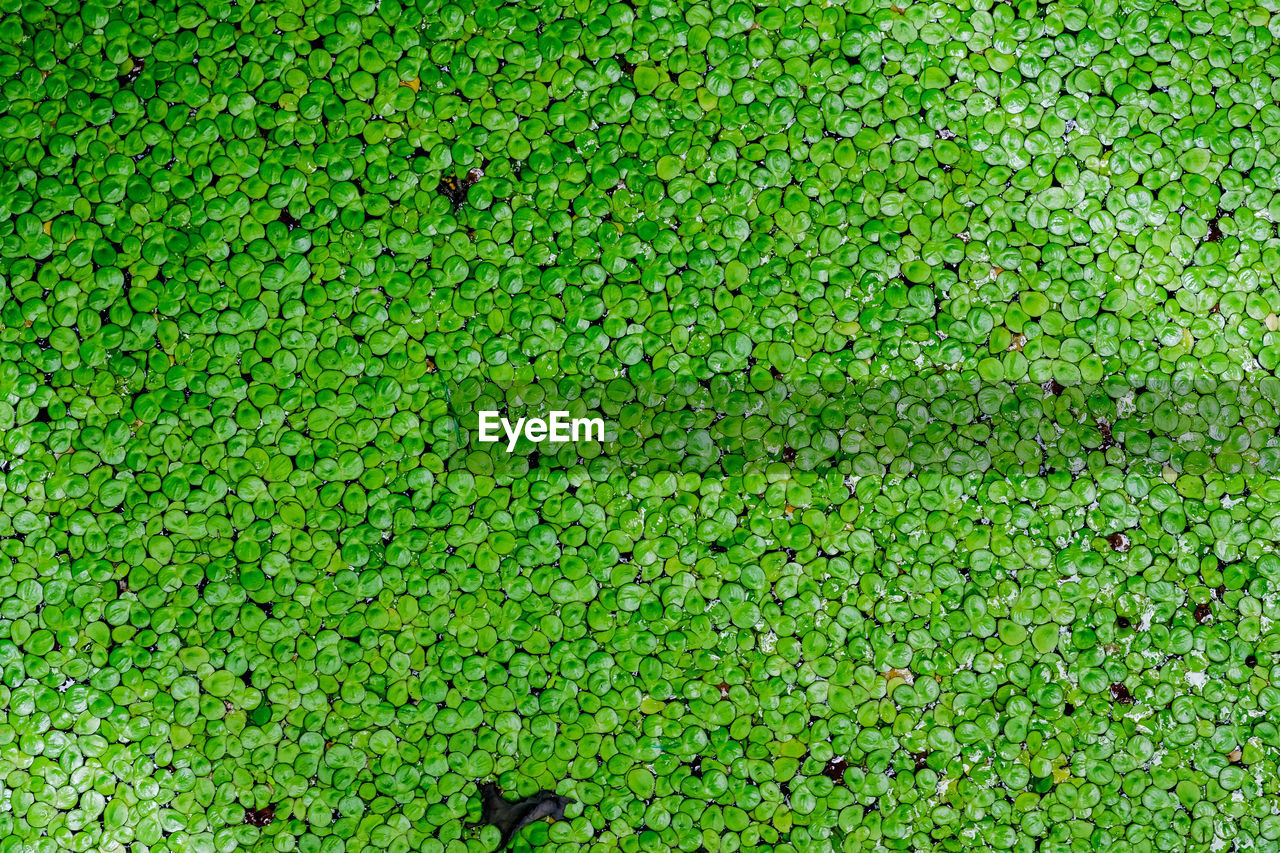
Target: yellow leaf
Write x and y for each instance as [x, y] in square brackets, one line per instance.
[906, 675]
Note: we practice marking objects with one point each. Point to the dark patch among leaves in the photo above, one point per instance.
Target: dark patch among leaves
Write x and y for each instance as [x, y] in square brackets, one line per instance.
[834, 770]
[260, 817]
[510, 817]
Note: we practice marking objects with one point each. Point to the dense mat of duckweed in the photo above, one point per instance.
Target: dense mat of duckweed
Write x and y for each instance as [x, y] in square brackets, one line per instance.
[938, 507]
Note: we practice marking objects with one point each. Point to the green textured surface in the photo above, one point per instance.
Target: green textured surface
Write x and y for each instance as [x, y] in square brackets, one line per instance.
[938, 507]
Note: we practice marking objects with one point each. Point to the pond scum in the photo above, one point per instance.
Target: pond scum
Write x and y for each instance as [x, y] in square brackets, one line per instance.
[938, 498]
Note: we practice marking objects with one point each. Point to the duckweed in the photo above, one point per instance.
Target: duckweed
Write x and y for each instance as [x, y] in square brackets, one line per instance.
[936, 343]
